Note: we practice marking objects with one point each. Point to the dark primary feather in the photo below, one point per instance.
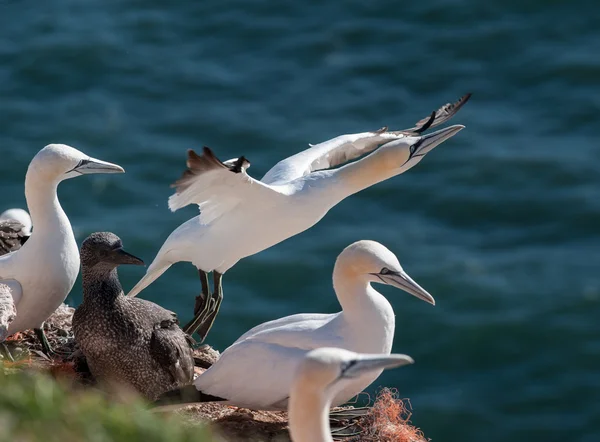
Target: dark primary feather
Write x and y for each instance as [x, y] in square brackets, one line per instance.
[200, 164]
[11, 236]
[440, 116]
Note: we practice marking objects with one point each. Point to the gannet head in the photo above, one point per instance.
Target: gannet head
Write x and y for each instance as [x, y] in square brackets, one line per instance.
[57, 162]
[325, 367]
[409, 150]
[21, 216]
[103, 251]
[374, 262]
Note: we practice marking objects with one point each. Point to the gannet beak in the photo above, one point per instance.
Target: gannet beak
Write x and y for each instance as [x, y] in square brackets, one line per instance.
[123, 257]
[429, 141]
[92, 165]
[369, 363]
[404, 282]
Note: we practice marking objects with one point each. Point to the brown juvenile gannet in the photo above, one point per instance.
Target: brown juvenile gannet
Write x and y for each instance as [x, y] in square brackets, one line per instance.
[241, 216]
[127, 341]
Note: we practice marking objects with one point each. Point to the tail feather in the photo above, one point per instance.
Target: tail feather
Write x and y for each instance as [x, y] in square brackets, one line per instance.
[184, 395]
[151, 275]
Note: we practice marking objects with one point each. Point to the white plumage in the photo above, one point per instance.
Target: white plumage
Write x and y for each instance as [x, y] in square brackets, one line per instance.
[319, 376]
[40, 275]
[241, 216]
[257, 370]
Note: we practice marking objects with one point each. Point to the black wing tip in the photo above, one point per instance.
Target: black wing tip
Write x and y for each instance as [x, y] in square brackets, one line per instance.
[239, 164]
[460, 102]
[427, 123]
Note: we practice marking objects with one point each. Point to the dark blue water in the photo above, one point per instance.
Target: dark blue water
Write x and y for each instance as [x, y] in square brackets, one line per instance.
[501, 224]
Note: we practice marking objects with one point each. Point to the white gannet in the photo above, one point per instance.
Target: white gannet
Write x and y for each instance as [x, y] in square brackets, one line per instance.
[256, 371]
[15, 229]
[42, 272]
[241, 216]
[321, 374]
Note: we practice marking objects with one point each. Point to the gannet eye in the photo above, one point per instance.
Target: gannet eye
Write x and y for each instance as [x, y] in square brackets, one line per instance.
[384, 271]
[346, 366]
[414, 147]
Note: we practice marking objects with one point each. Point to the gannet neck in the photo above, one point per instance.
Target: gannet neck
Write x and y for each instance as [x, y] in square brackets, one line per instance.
[308, 413]
[356, 296]
[374, 168]
[100, 284]
[46, 212]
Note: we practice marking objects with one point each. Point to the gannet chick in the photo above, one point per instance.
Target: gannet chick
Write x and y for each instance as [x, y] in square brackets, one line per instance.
[257, 370]
[42, 272]
[15, 230]
[127, 340]
[320, 375]
[241, 216]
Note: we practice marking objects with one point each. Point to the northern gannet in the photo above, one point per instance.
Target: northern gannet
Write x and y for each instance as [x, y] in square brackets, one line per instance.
[241, 216]
[319, 377]
[15, 230]
[40, 275]
[257, 370]
[127, 341]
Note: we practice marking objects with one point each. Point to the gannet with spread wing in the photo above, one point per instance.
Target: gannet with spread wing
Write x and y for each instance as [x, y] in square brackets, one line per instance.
[241, 216]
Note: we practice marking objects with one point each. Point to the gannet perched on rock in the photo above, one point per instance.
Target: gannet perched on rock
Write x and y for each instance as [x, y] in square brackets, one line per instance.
[320, 375]
[40, 275]
[257, 370]
[241, 216]
[15, 229]
[127, 341]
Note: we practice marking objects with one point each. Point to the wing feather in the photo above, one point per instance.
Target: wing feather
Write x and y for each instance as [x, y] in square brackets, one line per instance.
[217, 187]
[345, 148]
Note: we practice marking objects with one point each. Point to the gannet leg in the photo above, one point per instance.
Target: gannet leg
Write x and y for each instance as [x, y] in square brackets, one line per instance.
[201, 299]
[47, 349]
[213, 308]
[204, 319]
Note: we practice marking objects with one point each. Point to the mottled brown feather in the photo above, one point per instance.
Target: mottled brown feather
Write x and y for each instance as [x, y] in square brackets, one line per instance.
[11, 236]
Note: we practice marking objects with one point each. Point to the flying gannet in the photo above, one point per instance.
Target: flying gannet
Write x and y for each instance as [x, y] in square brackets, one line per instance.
[319, 377]
[40, 275]
[241, 216]
[257, 370]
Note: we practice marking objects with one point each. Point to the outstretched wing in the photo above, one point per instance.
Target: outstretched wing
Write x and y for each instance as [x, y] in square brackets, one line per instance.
[11, 236]
[217, 187]
[340, 150]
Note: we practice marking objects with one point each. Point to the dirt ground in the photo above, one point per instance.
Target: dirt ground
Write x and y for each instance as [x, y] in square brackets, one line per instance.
[388, 419]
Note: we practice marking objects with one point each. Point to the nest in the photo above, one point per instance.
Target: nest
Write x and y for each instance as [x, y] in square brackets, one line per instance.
[388, 420]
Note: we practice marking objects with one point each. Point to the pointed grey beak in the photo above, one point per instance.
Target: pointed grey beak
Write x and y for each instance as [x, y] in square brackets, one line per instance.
[429, 141]
[402, 281]
[369, 363]
[123, 257]
[92, 165]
